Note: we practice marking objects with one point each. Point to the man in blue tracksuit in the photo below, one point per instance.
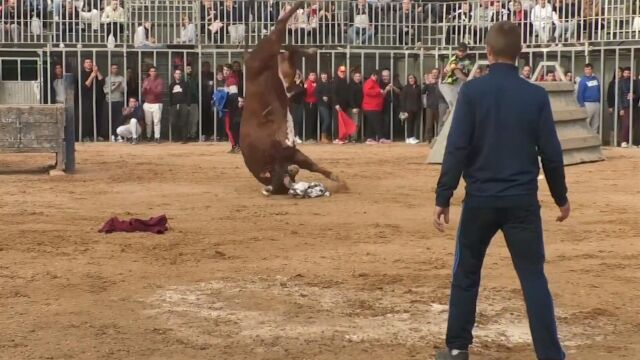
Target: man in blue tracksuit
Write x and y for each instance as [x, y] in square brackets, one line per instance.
[501, 124]
[589, 96]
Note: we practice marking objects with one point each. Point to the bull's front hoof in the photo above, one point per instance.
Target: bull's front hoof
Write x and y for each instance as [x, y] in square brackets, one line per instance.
[267, 190]
[293, 171]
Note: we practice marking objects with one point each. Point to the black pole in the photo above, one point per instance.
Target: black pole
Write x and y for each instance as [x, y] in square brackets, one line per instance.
[70, 123]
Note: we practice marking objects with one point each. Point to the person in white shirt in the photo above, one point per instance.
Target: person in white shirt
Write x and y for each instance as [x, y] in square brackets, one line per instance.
[113, 19]
[542, 19]
[114, 89]
[187, 31]
[142, 39]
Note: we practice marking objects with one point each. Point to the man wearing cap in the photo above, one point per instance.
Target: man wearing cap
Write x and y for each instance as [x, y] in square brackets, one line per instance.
[456, 72]
[500, 169]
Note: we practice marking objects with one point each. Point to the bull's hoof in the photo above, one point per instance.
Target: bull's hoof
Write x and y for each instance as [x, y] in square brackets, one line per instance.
[267, 190]
[293, 170]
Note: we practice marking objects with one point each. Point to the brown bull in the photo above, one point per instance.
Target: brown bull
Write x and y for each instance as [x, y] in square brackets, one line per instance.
[266, 128]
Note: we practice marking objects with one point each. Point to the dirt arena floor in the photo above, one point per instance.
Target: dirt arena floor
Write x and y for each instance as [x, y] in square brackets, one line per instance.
[359, 275]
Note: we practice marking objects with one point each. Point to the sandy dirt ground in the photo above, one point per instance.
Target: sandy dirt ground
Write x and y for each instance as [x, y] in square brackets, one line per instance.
[359, 275]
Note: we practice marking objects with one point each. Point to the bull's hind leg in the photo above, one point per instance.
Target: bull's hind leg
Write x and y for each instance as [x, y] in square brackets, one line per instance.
[306, 163]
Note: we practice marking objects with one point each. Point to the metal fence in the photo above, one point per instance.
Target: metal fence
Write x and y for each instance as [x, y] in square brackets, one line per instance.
[322, 23]
[96, 117]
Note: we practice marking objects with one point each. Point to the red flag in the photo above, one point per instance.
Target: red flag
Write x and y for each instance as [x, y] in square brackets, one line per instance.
[346, 126]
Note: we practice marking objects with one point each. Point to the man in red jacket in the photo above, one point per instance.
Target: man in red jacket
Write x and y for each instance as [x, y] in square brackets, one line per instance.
[372, 104]
[152, 89]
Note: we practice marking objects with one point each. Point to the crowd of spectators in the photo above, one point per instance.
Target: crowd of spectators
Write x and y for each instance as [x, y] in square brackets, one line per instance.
[355, 22]
[383, 107]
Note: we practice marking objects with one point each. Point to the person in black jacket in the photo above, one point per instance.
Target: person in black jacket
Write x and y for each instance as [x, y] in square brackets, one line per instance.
[340, 92]
[323, 93]
[179, 100]
[355, 100]
[410, 106]
[500, 169]
[297, 106]
[434, 98]
[611, 91]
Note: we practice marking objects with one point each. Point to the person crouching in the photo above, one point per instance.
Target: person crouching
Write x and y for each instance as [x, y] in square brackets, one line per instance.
[132, 118]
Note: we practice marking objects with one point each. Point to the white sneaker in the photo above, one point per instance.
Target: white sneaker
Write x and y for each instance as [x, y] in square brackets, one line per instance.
[624, 145]
[414, 141]
[407, 141]
[297, 140]
[120, 139]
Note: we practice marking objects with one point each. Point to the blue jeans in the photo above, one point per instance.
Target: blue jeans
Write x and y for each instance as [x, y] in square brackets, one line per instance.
[325, 120]
[522, 229]
[360, 36]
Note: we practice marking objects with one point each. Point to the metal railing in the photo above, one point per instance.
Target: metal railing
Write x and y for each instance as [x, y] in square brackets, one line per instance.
[155, 24]
[99, 119]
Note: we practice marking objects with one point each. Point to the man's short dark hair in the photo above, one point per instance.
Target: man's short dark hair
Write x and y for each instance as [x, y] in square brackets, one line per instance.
[628, 68]
[462, 47]
[375, 73]
[504, 40]
[133, 98]
[551, 72]
[152, 67]
[526, 65]
[588, 66]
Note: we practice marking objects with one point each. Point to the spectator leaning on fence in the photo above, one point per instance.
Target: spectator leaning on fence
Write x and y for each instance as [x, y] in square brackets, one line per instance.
[409, 20]
[194, 111]
[132, 121]
[432, 102]
[142, 38]
[611, 92]
[372, 104]
[627, 98]
[520, 16]
[355, 101]
[310, 107]
[187, 31]
[58, 91]
[152, 90]
[390, 110]
[90, 76]
[459, 25]
[179, 100]
[481, 16]
[114, 89]
[340, 92]
[565, 13]
[542, 20]
[113, 20]
[410, 106]
[297, 107]
[361, 19]
[323, 93]
[11, 20]
[589, 96]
